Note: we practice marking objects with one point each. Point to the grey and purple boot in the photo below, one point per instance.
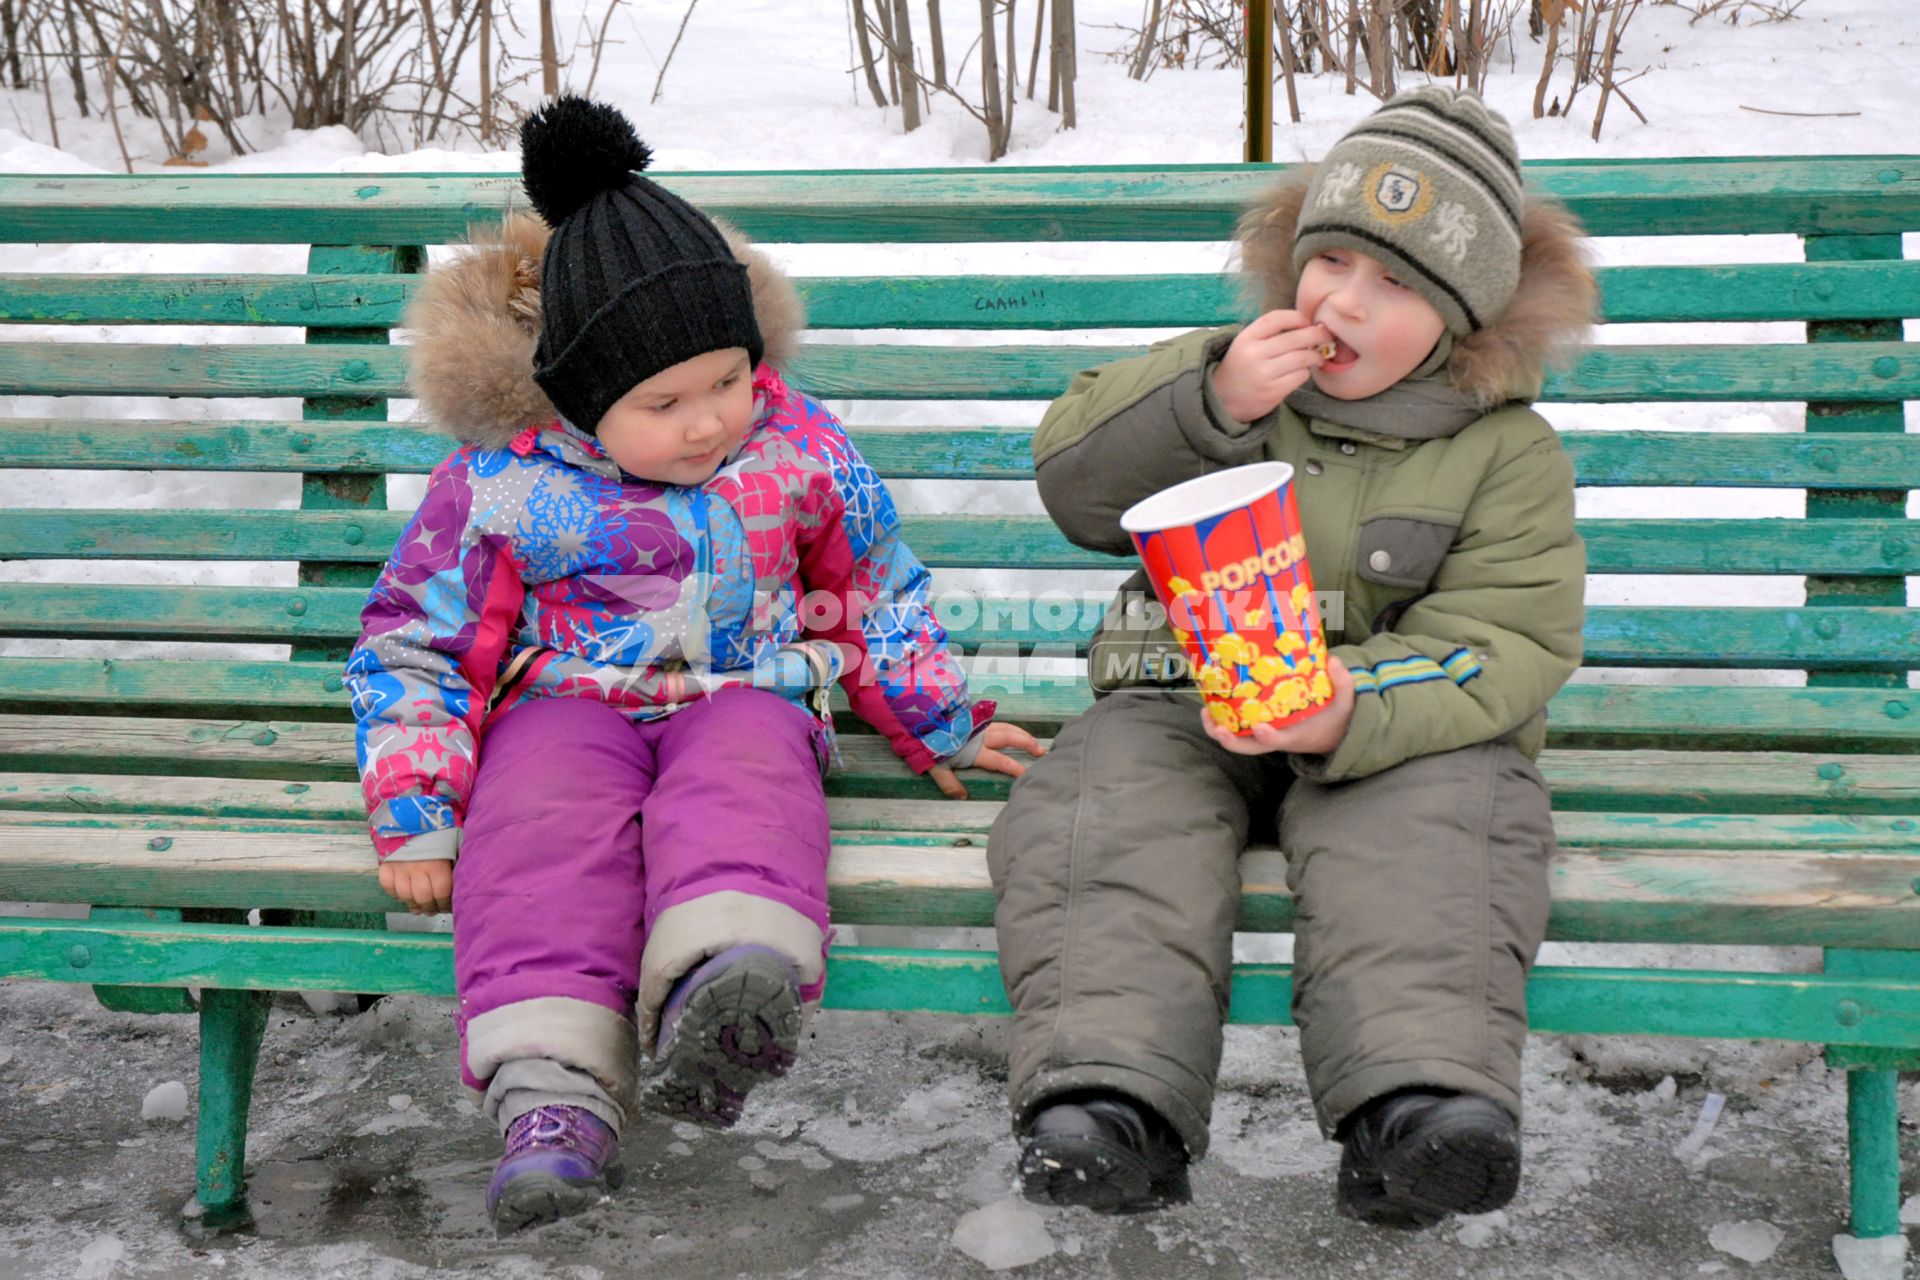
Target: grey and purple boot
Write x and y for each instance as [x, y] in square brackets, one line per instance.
[729, 1024]
[560, 1161]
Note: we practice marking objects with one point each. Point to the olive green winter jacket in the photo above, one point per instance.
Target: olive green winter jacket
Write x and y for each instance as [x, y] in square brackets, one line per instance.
[1449, 571]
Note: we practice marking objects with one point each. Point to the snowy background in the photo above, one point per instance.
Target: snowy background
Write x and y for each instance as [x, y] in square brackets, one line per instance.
[757, 84]
[861, 1165]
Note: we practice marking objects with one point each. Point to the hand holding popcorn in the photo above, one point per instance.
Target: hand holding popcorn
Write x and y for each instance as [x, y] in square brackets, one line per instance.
[1269, 360]
[1318, 734]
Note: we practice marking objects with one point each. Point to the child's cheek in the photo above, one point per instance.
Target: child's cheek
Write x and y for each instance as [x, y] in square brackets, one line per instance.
[740, 412]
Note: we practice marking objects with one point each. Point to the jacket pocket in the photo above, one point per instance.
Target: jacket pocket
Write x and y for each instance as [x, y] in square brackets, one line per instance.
[1400, 551]
[1404, 554]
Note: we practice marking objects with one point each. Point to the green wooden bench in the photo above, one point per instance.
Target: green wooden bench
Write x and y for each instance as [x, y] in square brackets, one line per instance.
[175, 793]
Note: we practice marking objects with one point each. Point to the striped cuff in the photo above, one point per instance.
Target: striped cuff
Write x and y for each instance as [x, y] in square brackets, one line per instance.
[1459, 666]
[431, 846]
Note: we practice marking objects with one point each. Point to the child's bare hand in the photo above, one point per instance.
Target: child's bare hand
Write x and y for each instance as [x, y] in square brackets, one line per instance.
[425, 886]
[1000, 738]
[1317, 735]
[1268, 362]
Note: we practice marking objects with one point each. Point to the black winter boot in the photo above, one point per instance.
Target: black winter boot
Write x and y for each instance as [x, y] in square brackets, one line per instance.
[1414, 1157]
[1104, 1152]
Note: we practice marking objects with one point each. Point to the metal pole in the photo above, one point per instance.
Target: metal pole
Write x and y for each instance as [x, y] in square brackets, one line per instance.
[1259, 14]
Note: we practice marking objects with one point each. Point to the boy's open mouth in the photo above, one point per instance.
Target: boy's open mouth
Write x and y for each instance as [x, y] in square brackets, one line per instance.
[1342, 359]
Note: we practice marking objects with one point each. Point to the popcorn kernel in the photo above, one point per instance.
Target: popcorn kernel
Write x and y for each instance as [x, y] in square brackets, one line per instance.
[1231, 650]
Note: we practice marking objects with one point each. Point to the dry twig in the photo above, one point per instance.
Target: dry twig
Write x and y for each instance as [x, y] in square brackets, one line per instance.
[1768, 111]
[668, 60]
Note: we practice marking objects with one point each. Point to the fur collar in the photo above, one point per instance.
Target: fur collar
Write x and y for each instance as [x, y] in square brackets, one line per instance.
[476, 321]
[1548, 317]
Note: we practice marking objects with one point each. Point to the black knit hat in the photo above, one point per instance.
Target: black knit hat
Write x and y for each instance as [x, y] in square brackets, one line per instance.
[635, 279]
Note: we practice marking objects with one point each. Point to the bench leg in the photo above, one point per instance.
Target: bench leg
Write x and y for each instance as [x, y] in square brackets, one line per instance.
[1873, 1147]
[231, 1025]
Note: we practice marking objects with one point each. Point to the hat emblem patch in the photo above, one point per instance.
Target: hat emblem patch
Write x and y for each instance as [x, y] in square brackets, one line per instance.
[1398, 193]
[1397, 190]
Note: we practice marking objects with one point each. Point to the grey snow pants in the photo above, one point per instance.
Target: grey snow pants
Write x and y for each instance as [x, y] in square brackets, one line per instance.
[1420, 892]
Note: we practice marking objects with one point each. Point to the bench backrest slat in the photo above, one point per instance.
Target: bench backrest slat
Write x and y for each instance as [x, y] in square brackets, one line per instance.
[1717, 459]
[1744, 292]
[1859, 638]
[1880, 371]
[1689, 196]
[1844, 548]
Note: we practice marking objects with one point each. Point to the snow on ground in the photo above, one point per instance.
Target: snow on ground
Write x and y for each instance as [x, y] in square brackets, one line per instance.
[875, 1158]
[891, 1135]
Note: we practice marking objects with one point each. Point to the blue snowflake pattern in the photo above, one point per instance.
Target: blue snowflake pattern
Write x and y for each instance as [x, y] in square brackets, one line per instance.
[729, 590]
[565, 528]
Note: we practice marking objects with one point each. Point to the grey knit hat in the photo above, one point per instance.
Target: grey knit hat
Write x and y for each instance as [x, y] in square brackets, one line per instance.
[1430, 185]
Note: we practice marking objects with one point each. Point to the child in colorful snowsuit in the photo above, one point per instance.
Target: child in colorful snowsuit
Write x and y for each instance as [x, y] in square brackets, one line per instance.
[595, 667]
[1413, 293]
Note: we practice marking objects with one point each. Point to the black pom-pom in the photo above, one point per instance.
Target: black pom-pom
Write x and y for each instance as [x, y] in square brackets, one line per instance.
[571, 150]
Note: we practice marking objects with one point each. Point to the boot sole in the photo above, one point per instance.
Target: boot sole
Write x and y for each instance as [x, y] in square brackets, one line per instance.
[1091, 1173]
[738, 1030]
[1464, 1169]
[536, 1199]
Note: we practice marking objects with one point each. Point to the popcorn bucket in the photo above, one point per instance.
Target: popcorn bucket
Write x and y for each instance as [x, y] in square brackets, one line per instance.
[1229, 563]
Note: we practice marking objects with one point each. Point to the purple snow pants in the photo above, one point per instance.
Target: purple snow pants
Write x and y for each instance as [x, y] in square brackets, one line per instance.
[585, 827]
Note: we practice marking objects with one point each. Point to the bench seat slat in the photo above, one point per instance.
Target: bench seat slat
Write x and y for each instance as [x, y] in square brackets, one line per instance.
[1734, 896]
[1876, 371]
[1839, 547]
[111, 798]
[1633, 294]
[1730, 637]
[1683, 195]
[294, 753]
[1581, 715]
[1694, 459]
[110, 802]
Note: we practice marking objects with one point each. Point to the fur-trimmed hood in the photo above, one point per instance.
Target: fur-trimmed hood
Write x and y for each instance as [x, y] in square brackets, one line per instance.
[476, 321]
[1549, 316]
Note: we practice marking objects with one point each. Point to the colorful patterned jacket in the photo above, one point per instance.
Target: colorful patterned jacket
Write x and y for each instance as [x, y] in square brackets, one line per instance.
[535, 568]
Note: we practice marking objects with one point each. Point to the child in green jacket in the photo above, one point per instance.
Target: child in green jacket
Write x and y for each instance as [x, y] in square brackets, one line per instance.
[1414, 292]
